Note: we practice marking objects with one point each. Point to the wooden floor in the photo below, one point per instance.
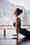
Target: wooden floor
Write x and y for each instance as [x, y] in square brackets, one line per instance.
[25, 42]
[13, 42]
[8, 42]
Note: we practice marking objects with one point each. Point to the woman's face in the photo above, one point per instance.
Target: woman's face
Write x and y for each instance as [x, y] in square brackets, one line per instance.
[15, 11]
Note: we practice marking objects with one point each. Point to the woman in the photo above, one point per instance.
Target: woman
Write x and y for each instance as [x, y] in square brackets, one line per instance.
[21, 30]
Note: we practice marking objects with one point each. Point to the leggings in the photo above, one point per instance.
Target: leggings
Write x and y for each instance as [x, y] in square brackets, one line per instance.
[25, 32]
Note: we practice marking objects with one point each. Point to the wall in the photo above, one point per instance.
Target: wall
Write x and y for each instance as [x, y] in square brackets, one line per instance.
[27, 4]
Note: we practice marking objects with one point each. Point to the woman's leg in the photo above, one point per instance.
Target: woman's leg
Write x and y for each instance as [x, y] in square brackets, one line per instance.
[24, 32]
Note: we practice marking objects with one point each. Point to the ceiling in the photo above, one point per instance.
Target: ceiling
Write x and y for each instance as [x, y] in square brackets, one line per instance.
[3, 3]
[16, 2]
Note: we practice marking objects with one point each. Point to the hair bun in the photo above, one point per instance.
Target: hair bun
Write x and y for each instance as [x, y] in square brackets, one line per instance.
[18, 11]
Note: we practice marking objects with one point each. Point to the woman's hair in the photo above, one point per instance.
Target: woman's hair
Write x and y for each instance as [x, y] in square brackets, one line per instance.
[18, 11]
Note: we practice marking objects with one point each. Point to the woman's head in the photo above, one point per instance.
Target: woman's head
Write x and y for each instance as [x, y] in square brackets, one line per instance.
[17, 11]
